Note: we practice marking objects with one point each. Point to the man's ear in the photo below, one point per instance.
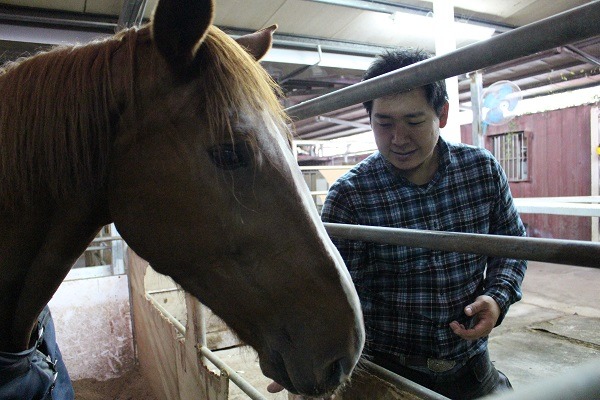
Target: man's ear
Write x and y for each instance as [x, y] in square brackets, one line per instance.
[444, 115]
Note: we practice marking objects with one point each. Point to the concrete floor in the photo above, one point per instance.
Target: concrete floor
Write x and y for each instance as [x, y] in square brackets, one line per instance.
[555, 327]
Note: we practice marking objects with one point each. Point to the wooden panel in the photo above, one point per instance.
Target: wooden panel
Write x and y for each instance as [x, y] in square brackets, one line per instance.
[170, 362]
[560, 166]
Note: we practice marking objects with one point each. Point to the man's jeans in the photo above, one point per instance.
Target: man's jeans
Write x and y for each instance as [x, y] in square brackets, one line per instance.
[38, 373]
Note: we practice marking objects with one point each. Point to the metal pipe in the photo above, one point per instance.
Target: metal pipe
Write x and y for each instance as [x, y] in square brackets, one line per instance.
[107, 239]
[302, 69]
[234, 376]
[402, 383]
[570, 252]
[339, 121]
[476, 105]
[178, 325]
[562, 29]
[580, 54]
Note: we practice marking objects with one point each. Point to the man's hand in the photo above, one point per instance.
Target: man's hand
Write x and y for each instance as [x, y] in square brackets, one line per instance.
[274, 387]
[486, 312]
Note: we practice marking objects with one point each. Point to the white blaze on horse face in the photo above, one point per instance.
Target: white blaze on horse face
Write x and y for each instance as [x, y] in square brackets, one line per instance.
[304, 193]
[279, 146]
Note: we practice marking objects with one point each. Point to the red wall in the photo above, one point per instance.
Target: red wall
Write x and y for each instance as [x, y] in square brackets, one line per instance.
[559, 162]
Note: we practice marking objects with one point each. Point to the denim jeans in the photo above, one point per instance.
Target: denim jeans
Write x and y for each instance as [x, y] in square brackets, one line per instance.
[38, 373]
[476, 378]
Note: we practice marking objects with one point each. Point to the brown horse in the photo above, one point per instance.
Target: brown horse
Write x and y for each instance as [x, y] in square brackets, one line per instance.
[174, 132]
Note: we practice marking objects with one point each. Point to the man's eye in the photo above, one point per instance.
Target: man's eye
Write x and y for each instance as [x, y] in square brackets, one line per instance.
[230, 155]
[414, 123]
[384, 124]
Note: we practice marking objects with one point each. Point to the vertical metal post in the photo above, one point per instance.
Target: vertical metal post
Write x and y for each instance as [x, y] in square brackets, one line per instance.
[117, 251]
[476, 104]
[595, 166]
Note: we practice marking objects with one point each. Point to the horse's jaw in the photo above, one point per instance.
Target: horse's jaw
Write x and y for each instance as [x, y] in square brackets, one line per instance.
[297, 346]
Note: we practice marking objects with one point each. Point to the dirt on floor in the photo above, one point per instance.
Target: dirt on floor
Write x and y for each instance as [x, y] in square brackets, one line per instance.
[131, 386]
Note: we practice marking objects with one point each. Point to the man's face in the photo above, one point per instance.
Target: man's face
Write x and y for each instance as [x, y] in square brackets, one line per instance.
[406, 131]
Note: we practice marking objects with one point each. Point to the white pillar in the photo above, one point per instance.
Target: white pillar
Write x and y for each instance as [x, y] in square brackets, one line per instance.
[445, 42]
[595, 163]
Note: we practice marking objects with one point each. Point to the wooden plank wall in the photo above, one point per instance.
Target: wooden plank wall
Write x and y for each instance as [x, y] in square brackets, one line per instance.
[559, 166]
[169, 362]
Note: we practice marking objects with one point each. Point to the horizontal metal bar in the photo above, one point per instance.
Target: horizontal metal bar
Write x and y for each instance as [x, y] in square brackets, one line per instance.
[167, 290]
[98, 271]
[178, 325]
[107, 239]
[560, 30]
[234, 376]
[564, 199]
[339, 121]
[558, 208]
[569, 252]
[324, 167]
[402, 383]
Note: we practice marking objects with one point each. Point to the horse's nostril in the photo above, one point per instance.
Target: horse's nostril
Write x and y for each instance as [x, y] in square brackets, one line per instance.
[338, 371]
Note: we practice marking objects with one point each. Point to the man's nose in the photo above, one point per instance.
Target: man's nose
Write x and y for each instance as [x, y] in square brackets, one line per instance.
[399, 137]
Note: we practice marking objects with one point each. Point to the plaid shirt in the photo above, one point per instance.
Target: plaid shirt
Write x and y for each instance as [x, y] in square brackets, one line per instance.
[410, 295]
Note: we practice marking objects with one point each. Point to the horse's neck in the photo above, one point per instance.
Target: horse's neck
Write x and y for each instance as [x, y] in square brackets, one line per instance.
[37, 250]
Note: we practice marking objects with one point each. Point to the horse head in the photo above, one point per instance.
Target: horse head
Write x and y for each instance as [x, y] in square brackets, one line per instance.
[204, 186]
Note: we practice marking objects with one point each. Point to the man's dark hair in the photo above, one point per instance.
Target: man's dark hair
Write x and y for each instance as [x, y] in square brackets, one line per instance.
[395, 59]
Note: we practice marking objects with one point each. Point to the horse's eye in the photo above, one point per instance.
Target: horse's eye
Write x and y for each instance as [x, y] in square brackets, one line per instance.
[230, 155]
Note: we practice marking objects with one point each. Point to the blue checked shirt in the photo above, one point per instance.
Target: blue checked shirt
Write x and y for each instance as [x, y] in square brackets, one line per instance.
[410, 295]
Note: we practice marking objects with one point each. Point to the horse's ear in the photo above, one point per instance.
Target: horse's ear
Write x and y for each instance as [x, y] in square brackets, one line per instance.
[258, 43]
[179, 27]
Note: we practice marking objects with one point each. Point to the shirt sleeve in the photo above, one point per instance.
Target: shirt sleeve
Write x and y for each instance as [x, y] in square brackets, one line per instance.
[340, 207]
[504, 275]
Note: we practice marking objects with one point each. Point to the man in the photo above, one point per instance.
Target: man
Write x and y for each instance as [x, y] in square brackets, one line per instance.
[427, 313]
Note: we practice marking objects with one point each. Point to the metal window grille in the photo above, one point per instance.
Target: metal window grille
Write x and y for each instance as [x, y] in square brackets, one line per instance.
[510, 149]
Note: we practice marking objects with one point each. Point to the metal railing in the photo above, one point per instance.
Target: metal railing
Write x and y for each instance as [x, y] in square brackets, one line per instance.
[559, 30]
[562, 29]
[570, 252]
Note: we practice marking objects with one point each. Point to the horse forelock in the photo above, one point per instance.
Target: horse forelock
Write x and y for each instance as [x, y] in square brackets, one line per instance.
[232, 83]
[55, 121]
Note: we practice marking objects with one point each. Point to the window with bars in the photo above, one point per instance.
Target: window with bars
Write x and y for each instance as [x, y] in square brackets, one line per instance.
[510, 149]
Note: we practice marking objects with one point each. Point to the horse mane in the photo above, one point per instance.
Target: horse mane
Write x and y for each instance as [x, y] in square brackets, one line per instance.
[59, 108]
[55, 117]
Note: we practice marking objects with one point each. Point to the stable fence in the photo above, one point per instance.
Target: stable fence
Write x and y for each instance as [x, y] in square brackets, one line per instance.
[571, 26]
[562, 29]
[188, 356]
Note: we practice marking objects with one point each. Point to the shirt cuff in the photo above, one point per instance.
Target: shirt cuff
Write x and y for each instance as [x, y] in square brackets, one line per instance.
[503, 301]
